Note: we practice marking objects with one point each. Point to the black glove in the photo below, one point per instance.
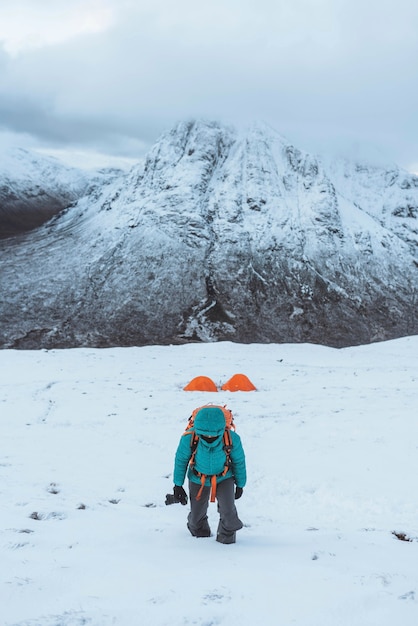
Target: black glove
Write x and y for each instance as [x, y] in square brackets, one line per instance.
[180, 494]
[238, 492]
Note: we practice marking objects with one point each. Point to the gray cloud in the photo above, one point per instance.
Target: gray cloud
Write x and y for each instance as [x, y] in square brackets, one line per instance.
[329, 74]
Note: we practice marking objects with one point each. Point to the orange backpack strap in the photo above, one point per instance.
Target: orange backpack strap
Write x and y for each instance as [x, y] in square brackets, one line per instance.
[212, 488]
[202, 484]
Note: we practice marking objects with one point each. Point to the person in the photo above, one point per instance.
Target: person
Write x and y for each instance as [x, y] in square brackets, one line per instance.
[211, 460]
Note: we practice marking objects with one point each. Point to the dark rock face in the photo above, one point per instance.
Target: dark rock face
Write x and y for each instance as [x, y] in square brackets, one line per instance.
[220, 236]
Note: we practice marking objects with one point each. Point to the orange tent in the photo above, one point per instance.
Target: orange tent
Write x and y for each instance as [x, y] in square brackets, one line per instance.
[238, 382]
[201, 383]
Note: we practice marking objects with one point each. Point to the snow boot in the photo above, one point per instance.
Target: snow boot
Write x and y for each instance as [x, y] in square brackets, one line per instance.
[203, 531]
[226, 538]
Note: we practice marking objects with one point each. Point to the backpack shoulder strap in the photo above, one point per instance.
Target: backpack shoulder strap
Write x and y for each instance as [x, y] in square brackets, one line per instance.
[227, 439]
[194, 440]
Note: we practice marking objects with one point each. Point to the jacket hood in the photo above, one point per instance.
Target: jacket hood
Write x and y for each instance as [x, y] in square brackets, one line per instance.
[209, 421]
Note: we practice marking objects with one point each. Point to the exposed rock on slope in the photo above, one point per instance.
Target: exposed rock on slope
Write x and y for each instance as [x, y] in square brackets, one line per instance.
[220, 236]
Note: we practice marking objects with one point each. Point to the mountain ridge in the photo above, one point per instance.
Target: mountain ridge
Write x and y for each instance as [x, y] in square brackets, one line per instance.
[35, 188]
[221, 235]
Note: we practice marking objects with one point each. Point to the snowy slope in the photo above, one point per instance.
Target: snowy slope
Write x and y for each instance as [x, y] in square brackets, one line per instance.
[34, 188]
[389, 195]
[219, 236]
[86, 458]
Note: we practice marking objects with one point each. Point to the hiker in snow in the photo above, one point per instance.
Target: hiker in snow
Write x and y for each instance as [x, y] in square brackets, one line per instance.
[216, 461]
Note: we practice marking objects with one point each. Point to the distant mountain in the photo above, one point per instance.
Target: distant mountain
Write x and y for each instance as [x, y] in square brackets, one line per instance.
[34, 188]
[220, 236]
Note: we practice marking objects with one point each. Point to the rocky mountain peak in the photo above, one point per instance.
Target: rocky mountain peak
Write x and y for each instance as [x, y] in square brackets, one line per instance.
[221, 235]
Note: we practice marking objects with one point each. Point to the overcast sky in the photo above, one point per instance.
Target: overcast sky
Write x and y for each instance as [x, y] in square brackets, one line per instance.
[109, 76]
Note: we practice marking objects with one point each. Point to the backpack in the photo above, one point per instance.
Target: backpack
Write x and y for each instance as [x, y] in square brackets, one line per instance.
[229, 419]
[194, 441]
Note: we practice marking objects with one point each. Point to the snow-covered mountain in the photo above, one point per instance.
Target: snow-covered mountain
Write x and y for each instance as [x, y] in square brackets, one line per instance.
[221, 235]
[34, 188]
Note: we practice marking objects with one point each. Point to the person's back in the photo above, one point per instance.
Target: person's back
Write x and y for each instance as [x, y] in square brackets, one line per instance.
[214, 460]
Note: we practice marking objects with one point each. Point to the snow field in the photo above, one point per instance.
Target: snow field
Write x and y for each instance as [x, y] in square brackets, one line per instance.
[86, 458]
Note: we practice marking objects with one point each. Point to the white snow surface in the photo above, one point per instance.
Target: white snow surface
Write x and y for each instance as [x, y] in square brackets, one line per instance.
[25, 169]
[86, 458]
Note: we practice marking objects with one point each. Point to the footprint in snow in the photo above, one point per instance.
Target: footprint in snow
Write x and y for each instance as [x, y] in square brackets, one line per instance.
[217, 596]
[47, 516]
[410, 595]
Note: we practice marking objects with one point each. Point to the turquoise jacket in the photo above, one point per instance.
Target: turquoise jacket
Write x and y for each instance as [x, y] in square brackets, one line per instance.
[210, 457]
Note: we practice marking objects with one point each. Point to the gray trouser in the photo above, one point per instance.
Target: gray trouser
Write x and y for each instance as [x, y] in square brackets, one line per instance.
[229, 521]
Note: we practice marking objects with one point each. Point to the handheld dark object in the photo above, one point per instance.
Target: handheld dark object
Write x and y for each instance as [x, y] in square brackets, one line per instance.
[171, 499]
[179, 495]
